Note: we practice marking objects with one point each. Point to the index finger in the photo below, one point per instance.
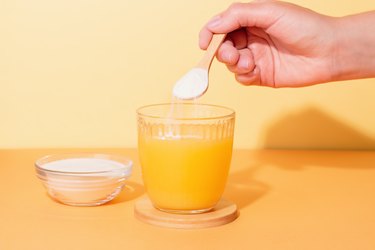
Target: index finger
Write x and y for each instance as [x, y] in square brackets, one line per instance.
[261, 14]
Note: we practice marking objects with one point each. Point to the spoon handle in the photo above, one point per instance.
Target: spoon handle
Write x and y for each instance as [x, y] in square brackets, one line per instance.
[206, 61]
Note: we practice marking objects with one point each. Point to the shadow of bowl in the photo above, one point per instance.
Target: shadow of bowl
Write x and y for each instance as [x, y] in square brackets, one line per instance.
[131, 191]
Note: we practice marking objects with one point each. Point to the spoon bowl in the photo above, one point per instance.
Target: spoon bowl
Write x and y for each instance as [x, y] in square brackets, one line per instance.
[195, 83]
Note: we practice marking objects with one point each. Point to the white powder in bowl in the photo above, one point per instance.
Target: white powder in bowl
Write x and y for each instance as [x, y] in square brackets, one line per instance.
[82, 165]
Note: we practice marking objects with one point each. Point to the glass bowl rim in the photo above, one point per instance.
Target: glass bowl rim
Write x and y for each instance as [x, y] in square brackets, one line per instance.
[127, 163]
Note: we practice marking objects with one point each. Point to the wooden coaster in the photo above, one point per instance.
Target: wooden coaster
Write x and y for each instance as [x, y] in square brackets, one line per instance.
[224, 212]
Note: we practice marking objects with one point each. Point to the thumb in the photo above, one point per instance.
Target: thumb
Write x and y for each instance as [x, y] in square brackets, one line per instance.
[261, 14]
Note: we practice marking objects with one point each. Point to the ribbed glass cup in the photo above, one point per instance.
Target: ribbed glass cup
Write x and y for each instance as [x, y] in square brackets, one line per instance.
[185, 151]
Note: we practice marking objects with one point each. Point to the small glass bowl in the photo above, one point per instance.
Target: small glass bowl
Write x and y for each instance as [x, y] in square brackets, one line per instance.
[83, 179]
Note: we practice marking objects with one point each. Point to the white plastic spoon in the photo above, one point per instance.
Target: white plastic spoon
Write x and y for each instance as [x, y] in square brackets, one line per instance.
[195, 83]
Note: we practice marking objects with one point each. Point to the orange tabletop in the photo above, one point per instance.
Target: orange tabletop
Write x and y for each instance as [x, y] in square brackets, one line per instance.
[287, 200]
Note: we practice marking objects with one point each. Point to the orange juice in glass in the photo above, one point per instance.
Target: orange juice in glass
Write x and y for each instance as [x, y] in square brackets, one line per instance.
[185, 151]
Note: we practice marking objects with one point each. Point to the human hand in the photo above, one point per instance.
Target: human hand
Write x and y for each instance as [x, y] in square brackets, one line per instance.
[275, 44]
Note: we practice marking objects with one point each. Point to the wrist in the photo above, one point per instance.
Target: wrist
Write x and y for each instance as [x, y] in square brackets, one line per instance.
[354, 51]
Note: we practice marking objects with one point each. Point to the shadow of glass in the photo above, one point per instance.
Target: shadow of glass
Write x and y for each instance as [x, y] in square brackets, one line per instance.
[243, 189]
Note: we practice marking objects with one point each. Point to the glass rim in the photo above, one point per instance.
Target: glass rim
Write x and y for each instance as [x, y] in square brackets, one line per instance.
[231, 112]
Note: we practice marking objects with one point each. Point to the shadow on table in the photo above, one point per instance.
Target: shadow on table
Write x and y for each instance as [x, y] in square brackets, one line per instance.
[301, 159]
[131, 191]
[312, 128]
[309, 128]
[243, 189]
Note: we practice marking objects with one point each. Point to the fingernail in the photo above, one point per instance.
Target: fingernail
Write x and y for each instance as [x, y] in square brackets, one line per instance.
[215, 21]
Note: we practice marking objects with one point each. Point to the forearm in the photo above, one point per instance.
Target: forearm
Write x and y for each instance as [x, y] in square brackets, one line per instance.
[354, 55]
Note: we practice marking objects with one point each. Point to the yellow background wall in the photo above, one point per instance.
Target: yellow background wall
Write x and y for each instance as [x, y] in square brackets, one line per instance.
[72, 74]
